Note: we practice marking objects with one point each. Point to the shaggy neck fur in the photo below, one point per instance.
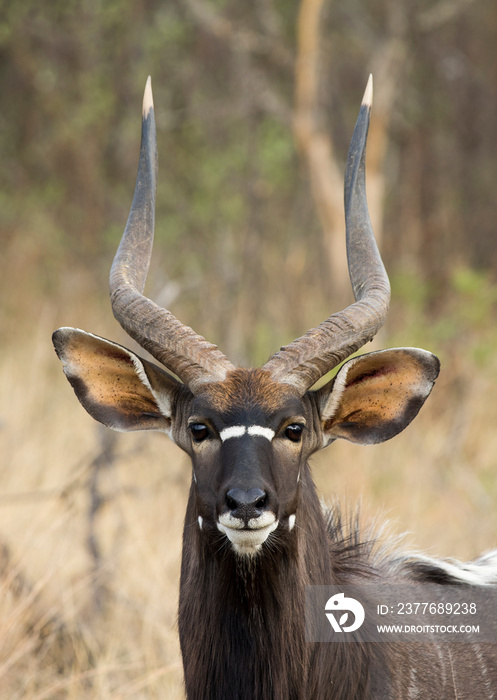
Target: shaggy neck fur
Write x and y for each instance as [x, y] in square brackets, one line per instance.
[241, 620]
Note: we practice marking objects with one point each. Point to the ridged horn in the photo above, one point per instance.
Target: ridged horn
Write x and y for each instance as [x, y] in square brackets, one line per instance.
[194, 360]
[310, 357]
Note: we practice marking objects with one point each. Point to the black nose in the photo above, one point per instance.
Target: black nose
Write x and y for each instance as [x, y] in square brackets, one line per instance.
[246, 504]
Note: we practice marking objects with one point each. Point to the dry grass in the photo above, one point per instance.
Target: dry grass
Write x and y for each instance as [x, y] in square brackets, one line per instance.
[72, 629]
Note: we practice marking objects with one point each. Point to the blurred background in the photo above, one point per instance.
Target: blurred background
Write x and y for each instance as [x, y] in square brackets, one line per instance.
[255, 106]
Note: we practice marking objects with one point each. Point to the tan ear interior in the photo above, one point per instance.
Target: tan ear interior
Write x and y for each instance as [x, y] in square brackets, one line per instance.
[376, 396]
[110, 382]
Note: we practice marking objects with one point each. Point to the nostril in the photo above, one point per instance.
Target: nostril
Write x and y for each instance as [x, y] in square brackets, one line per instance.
[231, 503]
[261, 502]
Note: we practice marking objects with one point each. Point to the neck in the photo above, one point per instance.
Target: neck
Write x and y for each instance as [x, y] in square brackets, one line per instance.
[241, 621]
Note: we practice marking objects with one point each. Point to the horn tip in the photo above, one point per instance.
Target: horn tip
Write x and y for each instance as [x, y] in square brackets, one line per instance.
[148, 100]
[367, 100]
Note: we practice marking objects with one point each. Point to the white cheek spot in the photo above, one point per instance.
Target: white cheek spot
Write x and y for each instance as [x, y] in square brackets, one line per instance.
[200, 521]
[291, 522]
[260, 430]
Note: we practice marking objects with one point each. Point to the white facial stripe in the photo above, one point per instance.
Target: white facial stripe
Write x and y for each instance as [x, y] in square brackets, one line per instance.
[240, 430]
[259, 430]
[232, 432]
[291, 522]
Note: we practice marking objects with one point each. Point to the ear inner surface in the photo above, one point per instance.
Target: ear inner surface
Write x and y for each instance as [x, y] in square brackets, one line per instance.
[114, 385]
[375, 396]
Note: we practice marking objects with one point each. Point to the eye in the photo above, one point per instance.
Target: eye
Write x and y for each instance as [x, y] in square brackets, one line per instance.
[199, 431]
[294, 432]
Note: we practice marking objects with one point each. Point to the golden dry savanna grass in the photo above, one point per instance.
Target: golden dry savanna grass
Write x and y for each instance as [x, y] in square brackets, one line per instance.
[76, 626]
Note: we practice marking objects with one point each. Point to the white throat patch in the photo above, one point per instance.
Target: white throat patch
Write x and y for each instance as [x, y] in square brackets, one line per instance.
[235, 431]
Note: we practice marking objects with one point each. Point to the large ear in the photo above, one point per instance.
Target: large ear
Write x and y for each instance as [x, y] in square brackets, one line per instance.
[373, 397]
[115, 386]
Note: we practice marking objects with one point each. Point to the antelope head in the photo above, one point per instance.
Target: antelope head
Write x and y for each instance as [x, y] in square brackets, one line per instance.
[249, 433]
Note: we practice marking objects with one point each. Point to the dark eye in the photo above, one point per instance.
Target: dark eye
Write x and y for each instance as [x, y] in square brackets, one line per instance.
[294, 432]
[199, 432]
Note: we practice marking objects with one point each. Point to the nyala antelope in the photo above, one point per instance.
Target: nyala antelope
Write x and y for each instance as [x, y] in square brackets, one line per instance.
[255, 532]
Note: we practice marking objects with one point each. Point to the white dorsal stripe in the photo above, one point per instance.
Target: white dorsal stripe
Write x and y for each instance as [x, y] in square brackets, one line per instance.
[239, 430]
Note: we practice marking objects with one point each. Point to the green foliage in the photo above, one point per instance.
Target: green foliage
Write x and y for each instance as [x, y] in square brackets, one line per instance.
[232, 193]
[277, 156]
[462, 315]
[476, 296]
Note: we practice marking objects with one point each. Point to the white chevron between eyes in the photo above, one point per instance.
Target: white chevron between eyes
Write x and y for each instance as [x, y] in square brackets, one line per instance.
[253, 430]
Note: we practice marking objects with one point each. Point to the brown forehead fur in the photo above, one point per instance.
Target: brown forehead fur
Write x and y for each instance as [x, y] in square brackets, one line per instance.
[244, 388]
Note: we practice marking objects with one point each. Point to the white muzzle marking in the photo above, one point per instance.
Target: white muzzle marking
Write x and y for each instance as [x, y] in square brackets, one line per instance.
[235, 431]
[246, 540]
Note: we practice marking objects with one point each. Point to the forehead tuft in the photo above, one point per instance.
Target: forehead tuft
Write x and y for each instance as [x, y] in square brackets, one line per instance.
[246, 389]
